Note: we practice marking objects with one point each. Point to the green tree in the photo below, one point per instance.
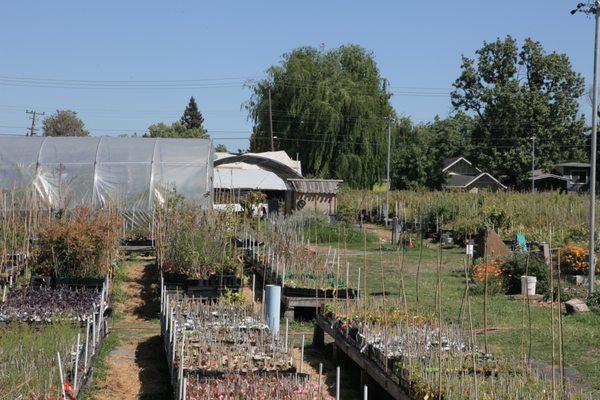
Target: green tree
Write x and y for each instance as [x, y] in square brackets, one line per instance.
[192, 118]
[516, 94]
[329, 107]
[221, 148]
[419, 151]
[64, 123]
[175, 130]
[189, 126]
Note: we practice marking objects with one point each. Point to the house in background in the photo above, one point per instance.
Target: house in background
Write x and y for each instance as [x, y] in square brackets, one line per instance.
[461, 174]
[566, 177]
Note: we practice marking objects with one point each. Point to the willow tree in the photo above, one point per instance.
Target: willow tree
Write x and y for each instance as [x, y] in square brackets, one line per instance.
[330, 109]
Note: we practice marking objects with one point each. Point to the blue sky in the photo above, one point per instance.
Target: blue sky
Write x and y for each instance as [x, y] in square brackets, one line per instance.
[417, 46]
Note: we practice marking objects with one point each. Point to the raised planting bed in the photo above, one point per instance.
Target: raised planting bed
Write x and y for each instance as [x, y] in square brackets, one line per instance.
[207, 341]
[271, 277]
[415, 358]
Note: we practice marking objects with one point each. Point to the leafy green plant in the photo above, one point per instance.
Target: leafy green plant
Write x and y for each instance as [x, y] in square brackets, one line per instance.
[195, 242]
[593, 301]
[519, 264]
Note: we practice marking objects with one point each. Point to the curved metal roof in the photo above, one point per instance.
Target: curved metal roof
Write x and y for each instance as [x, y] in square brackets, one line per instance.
[281, 170]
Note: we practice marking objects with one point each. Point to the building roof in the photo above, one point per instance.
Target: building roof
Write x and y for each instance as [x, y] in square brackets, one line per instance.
[573, 164]
[543, 176]
[253, 160]
[320, 186]
[449, 162]
[464, 181]
[458, 180]
[255, 171]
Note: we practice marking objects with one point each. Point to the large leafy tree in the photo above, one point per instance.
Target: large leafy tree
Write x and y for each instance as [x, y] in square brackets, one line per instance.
[64, 123]
[330, 108]
[419, 151]
[516, 94]
[175, 130]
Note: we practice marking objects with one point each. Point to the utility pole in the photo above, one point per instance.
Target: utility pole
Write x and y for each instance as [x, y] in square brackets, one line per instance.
[532, 163]
[593, 8]
[389, 158]
[271, 122]
[34, 115]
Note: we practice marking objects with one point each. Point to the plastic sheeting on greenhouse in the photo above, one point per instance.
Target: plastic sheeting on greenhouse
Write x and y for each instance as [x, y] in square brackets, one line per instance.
[131, 173]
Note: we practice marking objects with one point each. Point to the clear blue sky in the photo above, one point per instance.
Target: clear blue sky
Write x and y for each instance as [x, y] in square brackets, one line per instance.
[416, 44]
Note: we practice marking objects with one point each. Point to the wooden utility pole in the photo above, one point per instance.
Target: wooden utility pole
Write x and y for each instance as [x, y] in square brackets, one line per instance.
[34, 115]
[271, 122]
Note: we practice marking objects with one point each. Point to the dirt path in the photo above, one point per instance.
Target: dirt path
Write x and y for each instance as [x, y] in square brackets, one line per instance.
[137, 367]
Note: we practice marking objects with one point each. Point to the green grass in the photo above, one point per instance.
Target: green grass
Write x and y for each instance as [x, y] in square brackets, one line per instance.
[100, 366]
[581, 332]
[28, 363]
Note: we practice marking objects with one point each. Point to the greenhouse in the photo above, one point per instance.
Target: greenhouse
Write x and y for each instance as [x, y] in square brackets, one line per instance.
[132, 174]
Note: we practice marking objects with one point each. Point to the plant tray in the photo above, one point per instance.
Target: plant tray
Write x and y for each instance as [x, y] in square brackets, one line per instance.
[230, 281]
[137, 242]
[201, 373]
[88, 283]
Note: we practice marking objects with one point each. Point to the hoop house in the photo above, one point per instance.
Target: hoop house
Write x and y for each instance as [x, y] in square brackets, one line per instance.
[130, 173]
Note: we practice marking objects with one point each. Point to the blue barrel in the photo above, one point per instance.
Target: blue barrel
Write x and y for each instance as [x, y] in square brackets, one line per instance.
[273, 307]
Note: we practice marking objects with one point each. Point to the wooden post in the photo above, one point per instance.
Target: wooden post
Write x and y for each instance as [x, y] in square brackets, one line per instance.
[302, 356]
[76, 363]
[318, 337]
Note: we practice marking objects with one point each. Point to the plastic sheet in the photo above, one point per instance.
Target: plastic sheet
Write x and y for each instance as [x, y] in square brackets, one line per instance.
[131, 173]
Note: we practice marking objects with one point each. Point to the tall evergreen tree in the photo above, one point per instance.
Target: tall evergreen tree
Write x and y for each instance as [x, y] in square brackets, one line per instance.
[192, 118]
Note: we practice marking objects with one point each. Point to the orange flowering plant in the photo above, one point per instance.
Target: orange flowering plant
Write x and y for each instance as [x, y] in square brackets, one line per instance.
[574, 260]
[493, 269]
[494, 272]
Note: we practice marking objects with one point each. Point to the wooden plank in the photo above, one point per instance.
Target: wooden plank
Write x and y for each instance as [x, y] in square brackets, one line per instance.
[371, 368]
[302, 301]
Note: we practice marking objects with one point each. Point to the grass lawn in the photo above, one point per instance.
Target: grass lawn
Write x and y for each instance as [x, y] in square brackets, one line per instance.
[28, 363]
[581, 331]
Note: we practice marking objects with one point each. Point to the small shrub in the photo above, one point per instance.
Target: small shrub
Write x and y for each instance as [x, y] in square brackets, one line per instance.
[519, 264]
[564, 295]
[593, 301]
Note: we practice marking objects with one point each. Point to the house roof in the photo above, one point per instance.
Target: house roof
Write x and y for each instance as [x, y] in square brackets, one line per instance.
[448, 162]
[548, 176]
[573, 165]
[464, 181]
[324, 186]
[458, 180]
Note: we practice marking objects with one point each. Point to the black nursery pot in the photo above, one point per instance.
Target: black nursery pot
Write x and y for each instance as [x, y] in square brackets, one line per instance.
[90, 283]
